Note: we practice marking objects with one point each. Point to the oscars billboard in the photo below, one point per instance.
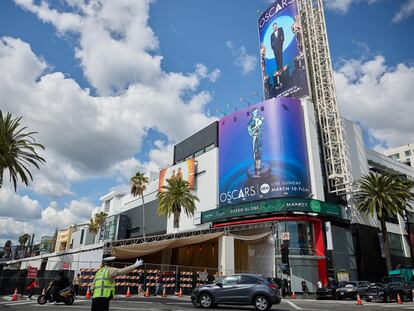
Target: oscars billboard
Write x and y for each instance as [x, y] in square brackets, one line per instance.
[282, 51]
[184, 170]
[263, 153]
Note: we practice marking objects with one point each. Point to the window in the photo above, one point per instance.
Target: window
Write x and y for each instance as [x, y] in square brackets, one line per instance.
[107, 204]
[395, 242]
[231, 280]
[301, 238]
[245, 279]
[209, 147]
[395, 156]
[407, 153]
[81, 238]
[198, 153]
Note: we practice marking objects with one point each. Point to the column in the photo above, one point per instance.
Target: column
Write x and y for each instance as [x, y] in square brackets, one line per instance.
[226, 255]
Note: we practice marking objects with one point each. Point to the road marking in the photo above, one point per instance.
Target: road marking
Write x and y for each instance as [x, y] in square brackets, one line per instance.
[293, 305]
[14, 303]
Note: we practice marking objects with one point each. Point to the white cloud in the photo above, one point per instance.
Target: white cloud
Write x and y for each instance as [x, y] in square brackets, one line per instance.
[405, 11]
[379, 97]
[19, 207]
[342, 6]
[87, 135]
[11, 229]
[77, 211]
[241, 59]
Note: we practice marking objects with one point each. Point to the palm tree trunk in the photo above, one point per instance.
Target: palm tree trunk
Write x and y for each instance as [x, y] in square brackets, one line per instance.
[1, 177]
[143, 216]
[176, 220]
[386, 244]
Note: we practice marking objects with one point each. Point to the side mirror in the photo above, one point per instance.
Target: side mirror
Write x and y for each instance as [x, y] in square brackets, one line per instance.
[219, 284]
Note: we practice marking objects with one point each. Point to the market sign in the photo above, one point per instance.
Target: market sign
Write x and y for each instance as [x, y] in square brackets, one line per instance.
[265, 207]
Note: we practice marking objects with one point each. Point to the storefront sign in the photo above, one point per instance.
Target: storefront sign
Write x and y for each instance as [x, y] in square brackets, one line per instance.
[285, 236]
[343, 276]
[280, 206]
[31, 272]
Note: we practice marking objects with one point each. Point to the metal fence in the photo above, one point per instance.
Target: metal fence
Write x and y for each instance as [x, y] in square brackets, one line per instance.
[175, 278]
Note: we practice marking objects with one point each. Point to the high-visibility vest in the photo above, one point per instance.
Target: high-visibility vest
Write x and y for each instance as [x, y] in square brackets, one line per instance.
[103, 287]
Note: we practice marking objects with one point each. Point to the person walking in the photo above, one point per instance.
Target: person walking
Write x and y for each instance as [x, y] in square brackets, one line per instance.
[159, 284]
[103, 285]
[76, 283]
[305, 289]
[30, 288]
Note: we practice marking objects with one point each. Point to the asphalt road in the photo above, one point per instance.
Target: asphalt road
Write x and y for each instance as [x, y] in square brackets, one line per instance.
[184, 304]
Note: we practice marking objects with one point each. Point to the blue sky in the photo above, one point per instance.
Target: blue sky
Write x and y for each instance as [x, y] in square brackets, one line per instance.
[111, 86]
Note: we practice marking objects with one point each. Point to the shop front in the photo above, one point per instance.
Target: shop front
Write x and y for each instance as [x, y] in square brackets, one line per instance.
[292, 243]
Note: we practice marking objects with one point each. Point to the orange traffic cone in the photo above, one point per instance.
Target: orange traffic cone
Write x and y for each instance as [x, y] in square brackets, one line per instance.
[399, 301]
[14, 297]
[164, 293]
[293, 295]
[147, 292]
[88, 294]
[359, 301]
[128, 293]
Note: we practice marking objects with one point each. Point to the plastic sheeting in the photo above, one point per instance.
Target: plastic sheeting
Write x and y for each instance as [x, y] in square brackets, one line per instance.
[133, 251]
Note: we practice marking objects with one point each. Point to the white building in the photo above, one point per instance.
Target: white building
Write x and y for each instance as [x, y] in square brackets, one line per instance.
[403, 154]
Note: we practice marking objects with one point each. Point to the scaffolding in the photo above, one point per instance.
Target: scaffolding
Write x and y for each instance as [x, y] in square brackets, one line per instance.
[324, 95]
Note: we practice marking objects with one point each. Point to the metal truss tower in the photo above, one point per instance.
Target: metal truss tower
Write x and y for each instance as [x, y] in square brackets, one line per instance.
[324, 95]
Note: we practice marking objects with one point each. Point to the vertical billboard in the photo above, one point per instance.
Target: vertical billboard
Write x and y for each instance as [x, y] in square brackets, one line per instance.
[263, 153]
[184, 170]
[282, 51]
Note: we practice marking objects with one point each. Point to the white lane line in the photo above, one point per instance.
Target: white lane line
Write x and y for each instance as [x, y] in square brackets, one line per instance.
[293, 305]
[14, 303]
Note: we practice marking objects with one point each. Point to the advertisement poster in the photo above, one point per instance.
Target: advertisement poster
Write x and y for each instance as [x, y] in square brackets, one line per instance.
[263, 153]
[282, 51]
[185, 170]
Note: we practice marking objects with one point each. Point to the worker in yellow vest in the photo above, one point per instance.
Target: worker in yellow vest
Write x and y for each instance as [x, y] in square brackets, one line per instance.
[104, 283]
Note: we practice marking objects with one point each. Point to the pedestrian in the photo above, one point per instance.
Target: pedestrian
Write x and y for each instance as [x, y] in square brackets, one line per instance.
[76, 283]
[30, 288]
[305, 288]
[141, 284]
[103, 285]
[285, 288]
[159, 283]
[320, 284]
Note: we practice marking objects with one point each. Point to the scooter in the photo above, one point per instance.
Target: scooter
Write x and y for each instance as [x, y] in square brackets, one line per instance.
[66, 295]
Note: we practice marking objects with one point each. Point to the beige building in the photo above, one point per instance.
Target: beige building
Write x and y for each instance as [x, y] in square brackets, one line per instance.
[63, 239]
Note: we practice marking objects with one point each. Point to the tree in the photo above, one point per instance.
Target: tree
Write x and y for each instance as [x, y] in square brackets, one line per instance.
[22, 241]
[384, 194]
[17, 150]
[97, 222]
[7, 250]
[138, 185]
[176, 195]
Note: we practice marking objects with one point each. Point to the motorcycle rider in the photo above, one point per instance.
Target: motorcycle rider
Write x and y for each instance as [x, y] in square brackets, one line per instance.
[60, 282]
[104, 283]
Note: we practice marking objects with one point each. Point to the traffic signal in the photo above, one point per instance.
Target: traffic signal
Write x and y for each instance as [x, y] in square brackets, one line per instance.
[284, 250]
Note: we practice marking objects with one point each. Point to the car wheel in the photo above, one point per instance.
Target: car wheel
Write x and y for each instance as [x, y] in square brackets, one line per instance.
[69, 301]
[205, 300]
[261, 303]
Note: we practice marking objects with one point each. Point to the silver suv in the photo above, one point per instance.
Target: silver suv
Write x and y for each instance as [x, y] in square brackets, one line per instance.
[238, 289]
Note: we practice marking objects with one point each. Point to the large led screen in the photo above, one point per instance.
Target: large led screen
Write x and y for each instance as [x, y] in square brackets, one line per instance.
[282, 51]
[263, 153]
[184, 170]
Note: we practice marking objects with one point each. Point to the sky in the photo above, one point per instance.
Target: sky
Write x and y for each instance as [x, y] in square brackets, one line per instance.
[111, 86]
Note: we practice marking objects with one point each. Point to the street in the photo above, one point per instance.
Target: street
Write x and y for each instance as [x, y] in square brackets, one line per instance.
[184, 304]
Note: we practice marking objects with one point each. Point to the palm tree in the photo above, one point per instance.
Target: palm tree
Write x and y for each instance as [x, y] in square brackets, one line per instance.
[176, 195]
[97, 222]
[138, 185]
[384, 194]
[7, 250]
[17, 150]
[23, 240]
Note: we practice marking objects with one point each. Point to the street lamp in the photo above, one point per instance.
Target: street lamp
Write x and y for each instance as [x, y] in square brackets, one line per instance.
[219, 111]
[258, 95]
[243, 100]
[231, 106]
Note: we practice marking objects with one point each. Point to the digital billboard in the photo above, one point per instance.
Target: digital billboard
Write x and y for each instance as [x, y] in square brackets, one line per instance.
[184, 170]
[263, 153]
[282, 51]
